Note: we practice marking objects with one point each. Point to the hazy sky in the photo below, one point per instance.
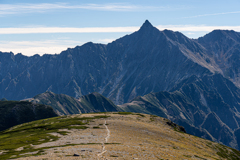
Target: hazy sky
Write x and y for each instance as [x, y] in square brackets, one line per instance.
[50, 26]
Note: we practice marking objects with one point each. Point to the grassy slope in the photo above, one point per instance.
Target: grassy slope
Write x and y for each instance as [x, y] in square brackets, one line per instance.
[154, 136]
[37, 132]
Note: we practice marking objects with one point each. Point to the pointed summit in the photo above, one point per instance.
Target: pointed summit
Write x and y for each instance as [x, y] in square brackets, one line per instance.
[146, 25]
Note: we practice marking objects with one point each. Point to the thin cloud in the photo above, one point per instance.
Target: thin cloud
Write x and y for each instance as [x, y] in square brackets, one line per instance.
[44, 7]
[196, 28]
[213, 14]
[30, 48]
[106, 40]
[66, 30]
[56, 46]
[181, 28]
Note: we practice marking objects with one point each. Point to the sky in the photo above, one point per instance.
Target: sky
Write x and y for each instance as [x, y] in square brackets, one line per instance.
[51, 26]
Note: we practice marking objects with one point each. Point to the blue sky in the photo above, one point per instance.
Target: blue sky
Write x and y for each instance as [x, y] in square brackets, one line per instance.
[38, 27]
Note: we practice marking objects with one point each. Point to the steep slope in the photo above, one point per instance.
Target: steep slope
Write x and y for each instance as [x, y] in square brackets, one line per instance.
[65, 105]
[15, 112]
[62, 104]
[107, 136]
[190, 73]
[206, 107]
[191, 103]
[223, 49]
[145, 61]
[98, 103]
[218, 129]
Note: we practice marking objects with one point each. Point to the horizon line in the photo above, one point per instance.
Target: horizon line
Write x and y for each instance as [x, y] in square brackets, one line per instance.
[48, 30]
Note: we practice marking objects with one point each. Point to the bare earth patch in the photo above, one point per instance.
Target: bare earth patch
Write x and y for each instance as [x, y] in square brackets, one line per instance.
[126, 137]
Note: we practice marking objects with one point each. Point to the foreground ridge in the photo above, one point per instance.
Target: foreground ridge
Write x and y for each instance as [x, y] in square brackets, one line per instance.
[133, 136]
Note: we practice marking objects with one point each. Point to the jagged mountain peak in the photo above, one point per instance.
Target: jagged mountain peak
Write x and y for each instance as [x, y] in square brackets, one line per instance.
[147, 26]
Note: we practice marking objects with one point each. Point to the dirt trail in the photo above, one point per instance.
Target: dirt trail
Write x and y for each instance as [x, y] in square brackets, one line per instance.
[106, 140]
[132, 137]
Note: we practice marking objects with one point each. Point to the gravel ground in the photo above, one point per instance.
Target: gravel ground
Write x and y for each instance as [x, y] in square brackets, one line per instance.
[128, 137]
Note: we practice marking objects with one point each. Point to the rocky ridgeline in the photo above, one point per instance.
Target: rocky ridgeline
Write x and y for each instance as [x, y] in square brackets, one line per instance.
[190, 81]
[145, 61]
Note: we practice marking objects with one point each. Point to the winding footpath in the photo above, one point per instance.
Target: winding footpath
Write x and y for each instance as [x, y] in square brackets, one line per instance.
[106, 140]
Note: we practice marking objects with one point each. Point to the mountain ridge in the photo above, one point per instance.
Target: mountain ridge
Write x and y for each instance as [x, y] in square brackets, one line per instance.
[66, 105]
[172, 75]
[196, 105]
[109, 134]
[117, 63]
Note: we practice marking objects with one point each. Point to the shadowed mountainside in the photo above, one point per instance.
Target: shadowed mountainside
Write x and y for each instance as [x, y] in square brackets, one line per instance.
[203, 106]
[195, 79]
[223, 49]
[206, 107]
[145, 61]
[14, 112]
[65, 105]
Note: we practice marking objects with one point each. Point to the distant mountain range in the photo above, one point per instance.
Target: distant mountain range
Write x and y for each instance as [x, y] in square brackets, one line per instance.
[194, 104]
[145, 61]
[193, 82]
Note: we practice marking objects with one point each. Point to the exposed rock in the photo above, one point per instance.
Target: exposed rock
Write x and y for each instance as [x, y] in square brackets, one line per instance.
[98, 103]
[194, 103]
[195, 76]
[65, 105]
[175, 126]
[146, 61]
